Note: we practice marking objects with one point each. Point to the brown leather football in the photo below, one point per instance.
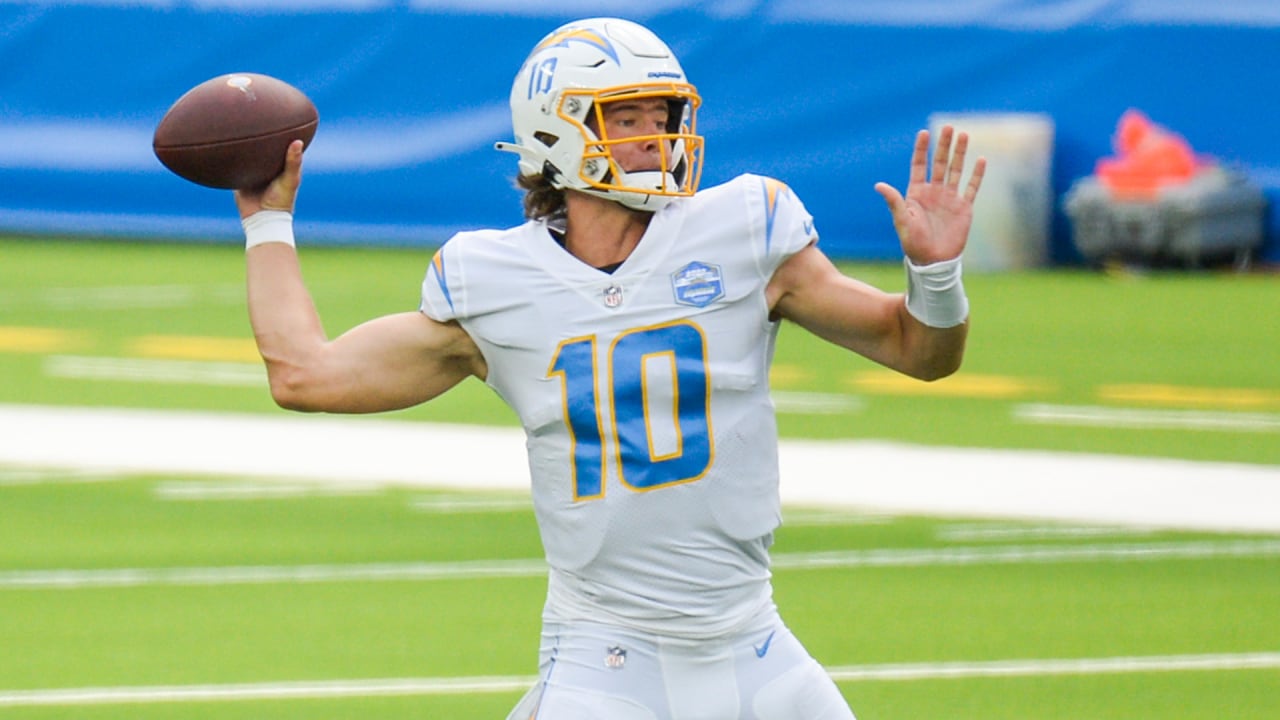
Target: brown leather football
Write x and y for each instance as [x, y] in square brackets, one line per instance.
[232, 131]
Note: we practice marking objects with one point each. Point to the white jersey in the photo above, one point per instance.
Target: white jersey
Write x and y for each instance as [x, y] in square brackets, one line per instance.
[644, 395]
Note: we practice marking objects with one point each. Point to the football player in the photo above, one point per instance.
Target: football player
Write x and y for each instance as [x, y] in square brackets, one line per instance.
[630, 324]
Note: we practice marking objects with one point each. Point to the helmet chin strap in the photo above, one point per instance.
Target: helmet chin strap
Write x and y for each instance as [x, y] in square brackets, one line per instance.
[649, 180]
[646, 179]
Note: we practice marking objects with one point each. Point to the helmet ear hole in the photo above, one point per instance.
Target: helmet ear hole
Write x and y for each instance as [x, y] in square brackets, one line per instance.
[551, 174]
[546, 138]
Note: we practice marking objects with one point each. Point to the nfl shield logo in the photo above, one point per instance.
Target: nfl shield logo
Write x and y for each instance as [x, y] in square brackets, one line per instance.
[612, 296]
[698, 284]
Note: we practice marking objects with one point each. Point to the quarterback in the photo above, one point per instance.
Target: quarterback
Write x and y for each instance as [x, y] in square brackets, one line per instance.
[630, 324]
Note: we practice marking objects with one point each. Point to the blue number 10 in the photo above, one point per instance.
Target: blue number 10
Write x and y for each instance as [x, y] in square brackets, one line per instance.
[659, 395]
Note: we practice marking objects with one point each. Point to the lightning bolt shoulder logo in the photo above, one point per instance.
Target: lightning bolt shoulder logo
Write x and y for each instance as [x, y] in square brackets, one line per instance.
[774, 190]
[437, 269]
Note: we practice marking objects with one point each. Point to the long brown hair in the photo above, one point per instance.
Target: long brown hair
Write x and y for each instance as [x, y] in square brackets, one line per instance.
[541, 200]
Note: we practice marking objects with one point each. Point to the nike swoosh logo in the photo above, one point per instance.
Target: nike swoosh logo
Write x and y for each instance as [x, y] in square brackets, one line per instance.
[761, 650]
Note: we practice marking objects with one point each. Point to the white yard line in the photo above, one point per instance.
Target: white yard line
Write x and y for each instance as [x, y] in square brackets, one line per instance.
[193, 491]
[517, 683]
[990, 532]
[873, 477]
[69, 579]
[1147, 419]
[1064, 666]
[178, 372]
[264, 691]
[461, 505]
[869, 476]
[126, 297]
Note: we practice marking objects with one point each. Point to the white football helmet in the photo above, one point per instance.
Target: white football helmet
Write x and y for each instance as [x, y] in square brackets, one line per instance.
[572, 74]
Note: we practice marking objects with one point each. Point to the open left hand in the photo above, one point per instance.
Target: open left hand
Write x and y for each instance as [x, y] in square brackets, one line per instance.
[933, 219]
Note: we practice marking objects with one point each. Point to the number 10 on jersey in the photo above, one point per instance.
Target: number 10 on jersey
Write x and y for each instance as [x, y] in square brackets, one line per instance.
[659, 394]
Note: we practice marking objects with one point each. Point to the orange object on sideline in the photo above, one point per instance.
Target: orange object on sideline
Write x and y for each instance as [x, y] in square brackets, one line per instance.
[1148, 157]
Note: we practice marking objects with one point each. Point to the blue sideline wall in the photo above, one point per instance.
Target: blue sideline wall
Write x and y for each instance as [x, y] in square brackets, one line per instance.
[823, 95]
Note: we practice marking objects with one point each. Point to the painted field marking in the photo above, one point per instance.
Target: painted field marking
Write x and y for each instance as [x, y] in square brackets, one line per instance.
[783, 374]
[1237, 398]
[1145, 419]
[129, 297]
[1027, 554]
[264, 691]
[120, 297]
[226, 374]
[195, 491]
[455, 504]
[268, 574]
[238, 490]
[125, 695]
[970, 385]
[806, 403]
[196, 347]
[72, 579]
[39, 340]
[817, 517]
[970, 532]
[17, 476]
[955, 482]
[1059, 666]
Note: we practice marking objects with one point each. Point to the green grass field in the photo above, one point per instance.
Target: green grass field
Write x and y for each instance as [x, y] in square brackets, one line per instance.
[1179, 595]
[1193, 354]
[198, 597]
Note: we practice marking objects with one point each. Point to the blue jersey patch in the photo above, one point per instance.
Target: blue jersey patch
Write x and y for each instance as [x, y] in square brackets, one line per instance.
[698, 284]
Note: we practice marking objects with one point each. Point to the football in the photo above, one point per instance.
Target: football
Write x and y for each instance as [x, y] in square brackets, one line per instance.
[231, 132]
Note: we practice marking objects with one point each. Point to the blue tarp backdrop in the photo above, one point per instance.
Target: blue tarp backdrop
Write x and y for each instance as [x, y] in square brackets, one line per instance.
[824, 95]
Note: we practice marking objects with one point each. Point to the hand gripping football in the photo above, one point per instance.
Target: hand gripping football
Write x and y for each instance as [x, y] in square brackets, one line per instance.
[231, 132]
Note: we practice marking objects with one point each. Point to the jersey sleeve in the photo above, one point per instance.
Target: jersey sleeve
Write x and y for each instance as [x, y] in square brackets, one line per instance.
[442, 287]
[785, 225]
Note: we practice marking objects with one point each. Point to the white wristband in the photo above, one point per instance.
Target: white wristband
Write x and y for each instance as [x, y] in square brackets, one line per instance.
[935, 293]
[268, 226]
